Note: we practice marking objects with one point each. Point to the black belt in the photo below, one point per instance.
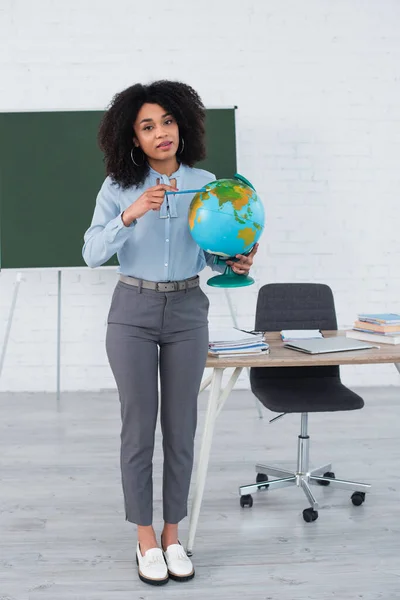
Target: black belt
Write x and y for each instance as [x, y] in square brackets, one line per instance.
[162, 286]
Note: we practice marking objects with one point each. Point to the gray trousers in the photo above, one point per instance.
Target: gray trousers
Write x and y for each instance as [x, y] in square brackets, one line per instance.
[149, 330]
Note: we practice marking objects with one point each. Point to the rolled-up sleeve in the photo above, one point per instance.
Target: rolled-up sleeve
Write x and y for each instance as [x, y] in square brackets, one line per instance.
[220, 268]
[107, 232]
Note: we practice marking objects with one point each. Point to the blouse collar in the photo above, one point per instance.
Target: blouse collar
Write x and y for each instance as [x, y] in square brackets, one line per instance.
[168, 209]
[177, 173]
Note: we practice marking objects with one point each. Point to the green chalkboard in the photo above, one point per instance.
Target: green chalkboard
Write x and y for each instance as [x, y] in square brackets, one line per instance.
[50, 173]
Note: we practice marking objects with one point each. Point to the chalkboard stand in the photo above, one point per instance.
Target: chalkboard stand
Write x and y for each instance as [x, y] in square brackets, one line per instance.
[10, 320]
[58, 335]
[18, 280]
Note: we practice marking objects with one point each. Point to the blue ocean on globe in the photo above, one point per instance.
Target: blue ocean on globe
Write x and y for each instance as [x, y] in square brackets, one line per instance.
[227, 218]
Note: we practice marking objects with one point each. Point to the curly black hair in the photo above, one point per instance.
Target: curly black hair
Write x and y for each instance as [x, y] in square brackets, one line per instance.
[116, 128]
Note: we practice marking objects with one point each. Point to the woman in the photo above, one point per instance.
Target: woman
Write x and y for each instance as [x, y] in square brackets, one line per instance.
[151, 137]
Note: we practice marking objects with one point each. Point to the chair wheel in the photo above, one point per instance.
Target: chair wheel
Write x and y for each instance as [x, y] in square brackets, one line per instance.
[262, 477]
[358, 498]
[246, 500]
[327, 474]
[310, 515]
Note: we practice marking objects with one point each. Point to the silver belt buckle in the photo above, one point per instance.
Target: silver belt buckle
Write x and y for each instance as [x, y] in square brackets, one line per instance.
[169, 286]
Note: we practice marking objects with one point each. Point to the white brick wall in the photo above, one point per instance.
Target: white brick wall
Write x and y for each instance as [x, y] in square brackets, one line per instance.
[318, 89]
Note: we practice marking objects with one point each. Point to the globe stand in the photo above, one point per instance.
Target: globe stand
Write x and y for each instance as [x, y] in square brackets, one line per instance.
[229, 279]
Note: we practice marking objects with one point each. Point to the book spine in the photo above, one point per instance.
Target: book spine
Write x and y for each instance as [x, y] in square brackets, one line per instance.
[378, 321]
[376, 327]
[372, 337]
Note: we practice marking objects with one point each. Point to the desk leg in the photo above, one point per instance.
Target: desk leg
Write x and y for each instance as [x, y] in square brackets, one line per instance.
[205, 383]
[397, 365]
[204, 454]
[216, 400]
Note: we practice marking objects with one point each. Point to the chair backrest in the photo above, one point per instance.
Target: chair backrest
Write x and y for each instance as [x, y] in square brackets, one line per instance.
[295, 306]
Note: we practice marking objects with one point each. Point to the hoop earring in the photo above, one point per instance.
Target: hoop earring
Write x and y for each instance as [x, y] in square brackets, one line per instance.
[183, 146]
[133, 158]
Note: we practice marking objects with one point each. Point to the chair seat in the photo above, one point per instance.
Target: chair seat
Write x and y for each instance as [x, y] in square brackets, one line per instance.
[305, 394]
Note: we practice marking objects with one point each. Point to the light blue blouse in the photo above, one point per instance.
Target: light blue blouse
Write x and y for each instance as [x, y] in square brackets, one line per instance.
[159, 246]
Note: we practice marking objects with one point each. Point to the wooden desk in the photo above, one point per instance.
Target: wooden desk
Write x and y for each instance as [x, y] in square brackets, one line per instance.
[278, 356]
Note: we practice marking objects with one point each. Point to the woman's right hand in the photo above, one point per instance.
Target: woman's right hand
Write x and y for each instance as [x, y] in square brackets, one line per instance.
[151, 199]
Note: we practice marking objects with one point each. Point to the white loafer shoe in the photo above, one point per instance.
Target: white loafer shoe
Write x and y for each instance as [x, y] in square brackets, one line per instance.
[180, 567]
[152, 567]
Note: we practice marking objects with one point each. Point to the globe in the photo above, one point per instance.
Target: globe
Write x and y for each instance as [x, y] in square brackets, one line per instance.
[227, 218]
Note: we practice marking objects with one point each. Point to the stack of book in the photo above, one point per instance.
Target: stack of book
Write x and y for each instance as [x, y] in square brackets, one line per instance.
[382, 327]
[235, 342]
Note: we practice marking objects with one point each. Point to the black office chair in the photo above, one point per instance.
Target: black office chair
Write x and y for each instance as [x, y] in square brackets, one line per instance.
[300, 389]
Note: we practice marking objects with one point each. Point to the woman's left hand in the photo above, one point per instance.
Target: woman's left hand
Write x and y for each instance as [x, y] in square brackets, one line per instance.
[243, 265]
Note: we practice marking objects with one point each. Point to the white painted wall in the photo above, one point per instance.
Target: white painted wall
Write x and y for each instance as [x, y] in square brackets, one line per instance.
[317, 84]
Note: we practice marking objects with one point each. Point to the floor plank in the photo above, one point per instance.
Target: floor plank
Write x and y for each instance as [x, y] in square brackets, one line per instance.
[62, 530]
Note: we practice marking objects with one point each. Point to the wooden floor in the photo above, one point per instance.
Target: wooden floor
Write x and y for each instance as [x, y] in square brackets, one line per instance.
[62, 530]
